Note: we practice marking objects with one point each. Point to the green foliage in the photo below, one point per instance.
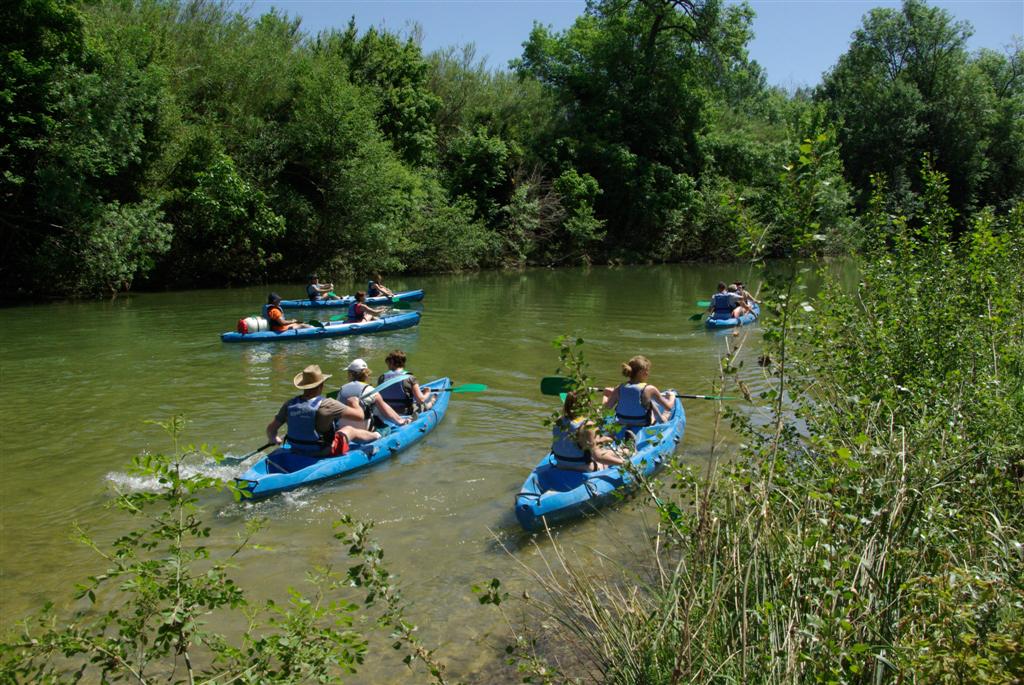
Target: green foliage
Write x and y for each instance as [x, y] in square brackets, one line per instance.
[812, 205]
[907, 87]
[213, 147]
[631, 81]
[582, 230]
[224, 225]
[146, 616]
[396, 73]
[80, 127]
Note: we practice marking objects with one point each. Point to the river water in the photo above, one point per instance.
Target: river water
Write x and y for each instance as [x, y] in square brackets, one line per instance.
[78, 381]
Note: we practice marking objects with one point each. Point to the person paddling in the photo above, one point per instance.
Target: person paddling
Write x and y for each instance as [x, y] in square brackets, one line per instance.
[634, 402]
[359, 311]
[354, 395]
[725, 302]
[575, 443]
[745, 294]
[313, 420]
[404, 397]
[377, 289]
[273, 313]
[317, 291]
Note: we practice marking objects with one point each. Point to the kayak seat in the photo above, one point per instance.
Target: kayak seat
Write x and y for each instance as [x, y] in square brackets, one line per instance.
[559, 480]
[286, 461]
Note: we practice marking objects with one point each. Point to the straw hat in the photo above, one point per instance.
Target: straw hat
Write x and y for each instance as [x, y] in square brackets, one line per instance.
[310, 377]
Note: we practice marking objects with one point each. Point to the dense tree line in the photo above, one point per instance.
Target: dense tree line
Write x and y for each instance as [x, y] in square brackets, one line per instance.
[172, 143]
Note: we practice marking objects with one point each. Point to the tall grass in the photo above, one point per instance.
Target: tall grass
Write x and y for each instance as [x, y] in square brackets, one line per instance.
[870, 531]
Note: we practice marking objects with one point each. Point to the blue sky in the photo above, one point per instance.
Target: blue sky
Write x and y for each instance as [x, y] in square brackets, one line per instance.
[795, 40]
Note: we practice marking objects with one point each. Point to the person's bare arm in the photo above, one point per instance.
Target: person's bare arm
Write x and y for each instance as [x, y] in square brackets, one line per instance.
[389, 412]
[423, 396]
[272, 429]
[590, 440]
[667, 400]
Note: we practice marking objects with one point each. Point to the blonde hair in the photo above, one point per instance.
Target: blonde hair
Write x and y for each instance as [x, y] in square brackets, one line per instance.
[362, 375]
[635, 366]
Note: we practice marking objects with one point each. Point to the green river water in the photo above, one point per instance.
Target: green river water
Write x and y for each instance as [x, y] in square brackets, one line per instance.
[79, 380]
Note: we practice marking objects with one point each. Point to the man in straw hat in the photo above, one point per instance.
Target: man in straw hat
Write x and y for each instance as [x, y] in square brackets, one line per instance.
[313, 420]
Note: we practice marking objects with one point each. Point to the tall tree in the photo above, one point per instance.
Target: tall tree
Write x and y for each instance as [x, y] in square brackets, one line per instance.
[906, 88]
[633, 80]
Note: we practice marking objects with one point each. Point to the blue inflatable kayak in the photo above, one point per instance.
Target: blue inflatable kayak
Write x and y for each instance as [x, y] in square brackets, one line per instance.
[733, 321]
[406, 296]
[557, 494]
[284, 470]
[329, 330]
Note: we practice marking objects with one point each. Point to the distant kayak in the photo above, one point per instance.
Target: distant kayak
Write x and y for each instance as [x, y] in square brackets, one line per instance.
[329, 330]
[733, 321]
[556, 494]
[284, 470]
[405, 296]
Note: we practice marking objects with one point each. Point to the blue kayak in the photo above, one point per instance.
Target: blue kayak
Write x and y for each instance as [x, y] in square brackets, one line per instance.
[406, 296]
[733, 321]
[329, 330]
[557, 494]
[284, 470]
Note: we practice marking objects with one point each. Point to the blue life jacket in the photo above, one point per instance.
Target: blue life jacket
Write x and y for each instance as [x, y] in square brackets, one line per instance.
[630, 410]
[723, 304]
[398, 396]
[312, 292]
[354, 315]
[564, 446]
[302, 433]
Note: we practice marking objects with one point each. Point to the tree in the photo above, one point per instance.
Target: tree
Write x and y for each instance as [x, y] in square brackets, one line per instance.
[632, 83]
[80, 130]
[395, 72]
[907, 88]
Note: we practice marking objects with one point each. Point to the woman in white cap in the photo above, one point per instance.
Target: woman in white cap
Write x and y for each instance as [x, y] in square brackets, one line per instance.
[353, 393]
[314, 420]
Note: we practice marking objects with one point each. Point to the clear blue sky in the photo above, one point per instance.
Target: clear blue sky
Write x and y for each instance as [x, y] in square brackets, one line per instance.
[795, 40]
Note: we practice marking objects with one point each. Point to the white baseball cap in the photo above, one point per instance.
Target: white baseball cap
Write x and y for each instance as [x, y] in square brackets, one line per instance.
[357, 365]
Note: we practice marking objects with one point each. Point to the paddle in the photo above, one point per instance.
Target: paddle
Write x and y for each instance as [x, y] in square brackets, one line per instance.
[231, 461]
[700, 315]
[396, 304]
[465, 387]
[556, 385]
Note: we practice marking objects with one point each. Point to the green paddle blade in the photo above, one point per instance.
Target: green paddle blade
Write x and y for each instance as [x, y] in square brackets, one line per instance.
[468, 387]
[555, 385]
[562, 396]
[703, 303]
